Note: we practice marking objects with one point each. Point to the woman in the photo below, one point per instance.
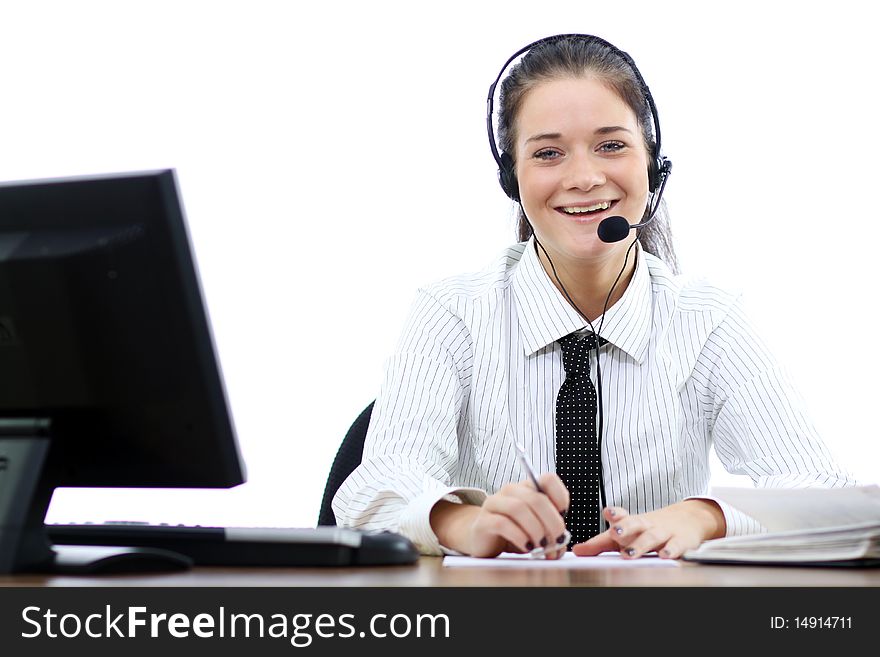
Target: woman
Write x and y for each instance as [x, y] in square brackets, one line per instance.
[513, 355]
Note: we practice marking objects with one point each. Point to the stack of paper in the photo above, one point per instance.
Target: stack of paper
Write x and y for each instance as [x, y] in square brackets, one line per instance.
[806, 526]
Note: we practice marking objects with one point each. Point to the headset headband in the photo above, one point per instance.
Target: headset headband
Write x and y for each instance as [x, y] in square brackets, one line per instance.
[490, 102]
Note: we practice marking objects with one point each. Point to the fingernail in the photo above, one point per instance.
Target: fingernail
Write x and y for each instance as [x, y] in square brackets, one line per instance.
[561, 539]
[631, 552]
[530, 546]
[618, 529]
[544, 542]
[613, 513]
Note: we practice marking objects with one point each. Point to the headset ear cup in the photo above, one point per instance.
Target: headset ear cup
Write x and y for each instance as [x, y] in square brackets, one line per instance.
[653, 175]
[658, 170]
[507, 177]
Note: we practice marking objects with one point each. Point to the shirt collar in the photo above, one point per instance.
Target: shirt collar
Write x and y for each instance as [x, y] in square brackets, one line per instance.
[545, 315]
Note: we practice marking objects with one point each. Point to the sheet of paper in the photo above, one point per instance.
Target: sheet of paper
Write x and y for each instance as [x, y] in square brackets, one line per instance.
[782, 509]
[568, 560]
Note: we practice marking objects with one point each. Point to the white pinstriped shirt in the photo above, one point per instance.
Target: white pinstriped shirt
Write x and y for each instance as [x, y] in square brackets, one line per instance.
[478, 369]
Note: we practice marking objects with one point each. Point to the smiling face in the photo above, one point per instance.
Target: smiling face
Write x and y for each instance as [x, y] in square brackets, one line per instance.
[580, 157]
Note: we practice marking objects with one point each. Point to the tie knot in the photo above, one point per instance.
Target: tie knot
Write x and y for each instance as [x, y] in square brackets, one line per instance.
[576, 352]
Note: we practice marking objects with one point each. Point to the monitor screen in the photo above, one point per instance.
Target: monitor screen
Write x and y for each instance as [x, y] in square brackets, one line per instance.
[105, 342]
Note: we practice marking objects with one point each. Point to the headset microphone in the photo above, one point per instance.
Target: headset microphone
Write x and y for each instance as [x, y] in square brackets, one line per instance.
[614, 229]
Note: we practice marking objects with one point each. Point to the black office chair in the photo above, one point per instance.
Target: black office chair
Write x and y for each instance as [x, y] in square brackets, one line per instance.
[348, 457]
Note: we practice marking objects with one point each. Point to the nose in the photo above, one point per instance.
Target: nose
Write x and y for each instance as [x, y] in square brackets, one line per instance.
[583, 172]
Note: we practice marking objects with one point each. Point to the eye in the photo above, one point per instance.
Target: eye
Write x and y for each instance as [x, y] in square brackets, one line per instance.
[612, 146]
[547, 154]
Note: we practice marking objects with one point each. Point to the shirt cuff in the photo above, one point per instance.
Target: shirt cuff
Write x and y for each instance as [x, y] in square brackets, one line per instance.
[415, 521]
[738, 523]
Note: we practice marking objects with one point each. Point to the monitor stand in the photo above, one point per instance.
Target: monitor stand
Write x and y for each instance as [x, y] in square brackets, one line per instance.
[26, 488]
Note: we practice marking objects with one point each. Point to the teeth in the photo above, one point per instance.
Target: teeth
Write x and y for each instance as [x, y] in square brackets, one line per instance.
[579, 209]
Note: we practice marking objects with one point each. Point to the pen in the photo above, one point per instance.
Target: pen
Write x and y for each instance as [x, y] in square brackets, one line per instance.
[539, 552]
[528, 467]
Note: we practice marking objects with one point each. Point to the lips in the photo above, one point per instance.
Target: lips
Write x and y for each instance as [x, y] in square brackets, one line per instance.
[586, 211]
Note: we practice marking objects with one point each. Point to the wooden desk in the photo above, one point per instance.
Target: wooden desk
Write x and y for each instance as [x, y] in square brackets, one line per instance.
[429, 572]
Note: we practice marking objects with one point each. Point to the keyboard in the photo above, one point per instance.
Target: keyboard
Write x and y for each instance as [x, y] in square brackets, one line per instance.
[247, 546]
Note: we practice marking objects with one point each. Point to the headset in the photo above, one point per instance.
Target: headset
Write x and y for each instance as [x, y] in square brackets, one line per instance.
[610, 229]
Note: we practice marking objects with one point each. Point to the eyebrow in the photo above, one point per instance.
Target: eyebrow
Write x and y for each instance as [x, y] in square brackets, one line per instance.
[599, 131]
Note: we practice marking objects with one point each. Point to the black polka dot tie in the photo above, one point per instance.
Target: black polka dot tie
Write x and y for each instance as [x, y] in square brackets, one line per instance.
[577, 448]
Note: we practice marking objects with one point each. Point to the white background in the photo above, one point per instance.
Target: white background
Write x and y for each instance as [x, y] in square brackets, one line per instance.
[333, 156]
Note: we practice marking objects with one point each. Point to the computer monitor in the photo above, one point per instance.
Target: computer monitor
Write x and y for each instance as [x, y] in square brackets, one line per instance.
[108, 370]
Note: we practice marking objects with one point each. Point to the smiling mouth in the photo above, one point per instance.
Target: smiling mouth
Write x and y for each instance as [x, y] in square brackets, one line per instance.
[586, 210]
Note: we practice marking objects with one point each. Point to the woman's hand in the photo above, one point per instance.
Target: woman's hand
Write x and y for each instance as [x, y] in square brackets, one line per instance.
[515, 519]
[670, 531]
